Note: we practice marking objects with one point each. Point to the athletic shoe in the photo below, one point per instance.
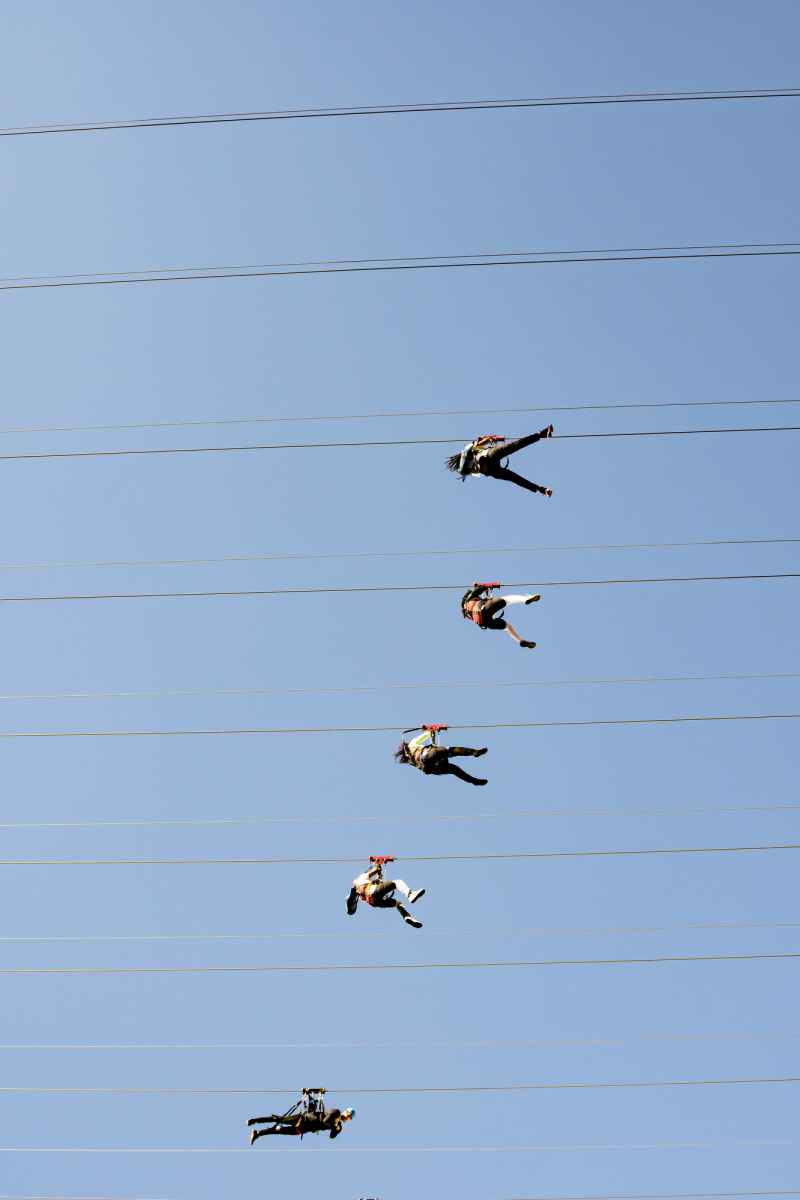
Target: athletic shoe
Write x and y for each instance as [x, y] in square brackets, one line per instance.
[415, 896]
[413, 922]
[253, 1137]
[528, 645]
[549, 432]
[480, 782]
[533, 599]
[548, 491]
[479, 753]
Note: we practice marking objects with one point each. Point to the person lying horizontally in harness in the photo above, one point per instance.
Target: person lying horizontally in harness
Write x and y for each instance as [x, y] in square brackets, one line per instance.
[373, 889]
[424, 753]
[308, 1115]
[485, 610]
[486, 455]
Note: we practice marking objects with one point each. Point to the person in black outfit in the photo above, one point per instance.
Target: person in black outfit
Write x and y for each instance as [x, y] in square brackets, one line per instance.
[487, 454]
[424, 753]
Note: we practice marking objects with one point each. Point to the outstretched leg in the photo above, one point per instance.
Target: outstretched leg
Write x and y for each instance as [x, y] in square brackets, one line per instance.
[272, 1119]
[512, 477]
[407, 917]
[512, 633]
[452, 769]
[504, 449]
[288, 1130]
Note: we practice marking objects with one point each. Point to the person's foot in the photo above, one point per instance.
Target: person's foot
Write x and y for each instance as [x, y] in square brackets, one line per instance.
[528, 645]
[533, 599]
[548, 433]
[415, 896]
[253, 1137]
[480, 752]
[413, 922]
[352, 905]
[548, 491]
[480, 782]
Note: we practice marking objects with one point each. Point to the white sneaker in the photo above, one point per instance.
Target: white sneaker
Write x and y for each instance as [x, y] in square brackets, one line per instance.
[413, 897]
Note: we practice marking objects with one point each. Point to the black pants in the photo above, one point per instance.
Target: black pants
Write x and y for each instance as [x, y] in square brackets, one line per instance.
[437, 762]
[291, 1128]
[383, 895]
[490, 614]
[491, 462]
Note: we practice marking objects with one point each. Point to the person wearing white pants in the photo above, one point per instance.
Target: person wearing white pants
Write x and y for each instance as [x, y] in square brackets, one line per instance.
[478, 605]
[371, 888]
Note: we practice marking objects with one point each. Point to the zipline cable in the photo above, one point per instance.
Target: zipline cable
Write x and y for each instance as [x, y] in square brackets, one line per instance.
[426, 106]
[706, 1144]
[395, 1091]
[462, 1045]
[427, 966]
[407, 858]
[358, 935]
[452, 262]
[660, 1195]
[485, 550]
[394, 819]
[404, 587]
[401, 414]
[8, 735]
[388, 687]
[401, 258]
[651, 433]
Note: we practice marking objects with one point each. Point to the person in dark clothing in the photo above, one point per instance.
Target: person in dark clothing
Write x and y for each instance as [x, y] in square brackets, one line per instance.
[323, 1120]
[486, 455]
[424, 753]
[373, 889]
[479, 606]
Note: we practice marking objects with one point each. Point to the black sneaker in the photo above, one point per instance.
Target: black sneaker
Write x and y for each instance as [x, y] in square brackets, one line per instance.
[528, 645]
[413, 922]
[415, 896]
[480, 753]
[533, 599]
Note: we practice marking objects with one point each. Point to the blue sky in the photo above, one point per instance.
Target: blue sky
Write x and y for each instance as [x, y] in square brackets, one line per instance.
[650, 332]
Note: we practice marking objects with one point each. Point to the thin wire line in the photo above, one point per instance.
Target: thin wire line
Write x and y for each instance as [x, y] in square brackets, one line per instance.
[466, 259]
[396, 1091]
[473, 1045]
[354, 267]
[116, 733]
[373, 110]
[385, 687]
[658, 1195]
[384, 416]
[438, 933]
[250, 558]
[416, 858]
[376, 588]
[708, 1143]
[392, 819]
[64, 454]
[428, 966]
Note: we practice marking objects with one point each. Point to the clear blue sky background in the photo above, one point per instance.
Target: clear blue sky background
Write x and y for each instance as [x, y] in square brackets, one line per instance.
[423, 184]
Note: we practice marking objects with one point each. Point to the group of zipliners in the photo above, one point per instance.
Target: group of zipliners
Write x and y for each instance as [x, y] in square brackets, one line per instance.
[485, 455]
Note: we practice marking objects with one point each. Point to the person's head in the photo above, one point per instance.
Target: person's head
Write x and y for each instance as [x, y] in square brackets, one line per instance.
[452, 463]
[401, 754]
[348, 1114]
